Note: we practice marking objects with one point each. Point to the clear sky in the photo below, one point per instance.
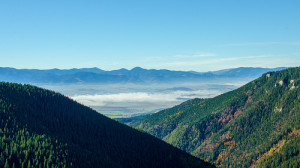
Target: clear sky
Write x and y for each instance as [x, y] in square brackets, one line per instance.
[200, 35]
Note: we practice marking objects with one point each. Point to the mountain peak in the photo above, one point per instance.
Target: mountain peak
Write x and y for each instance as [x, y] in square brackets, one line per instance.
[137, 69]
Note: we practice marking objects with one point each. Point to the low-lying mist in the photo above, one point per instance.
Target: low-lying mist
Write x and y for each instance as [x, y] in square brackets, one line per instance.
[154, 98]
[119, 100]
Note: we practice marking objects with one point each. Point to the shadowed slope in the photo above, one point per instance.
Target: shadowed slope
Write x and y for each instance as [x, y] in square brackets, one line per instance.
[41, 128]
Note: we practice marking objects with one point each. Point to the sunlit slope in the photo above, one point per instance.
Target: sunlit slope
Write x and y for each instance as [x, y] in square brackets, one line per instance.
[41, 128]
[255, 125]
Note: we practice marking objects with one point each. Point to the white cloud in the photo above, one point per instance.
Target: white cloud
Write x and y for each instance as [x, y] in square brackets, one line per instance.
[197, 55]
[263, 43]
[212, 61]
[143, 97]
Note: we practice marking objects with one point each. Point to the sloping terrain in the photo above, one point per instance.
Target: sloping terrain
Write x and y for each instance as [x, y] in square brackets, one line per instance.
[41, 128]
[256, 125]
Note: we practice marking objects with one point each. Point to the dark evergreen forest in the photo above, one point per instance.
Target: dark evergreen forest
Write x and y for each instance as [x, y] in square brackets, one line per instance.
[41, 128]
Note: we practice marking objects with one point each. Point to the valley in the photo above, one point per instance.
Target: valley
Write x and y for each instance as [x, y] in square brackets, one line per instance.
[42, 128]
[127, 93]
[121, 101]
[221, 127]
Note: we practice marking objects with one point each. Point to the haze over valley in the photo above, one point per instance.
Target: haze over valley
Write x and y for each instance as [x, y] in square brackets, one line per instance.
[123, 101]
[127, 93]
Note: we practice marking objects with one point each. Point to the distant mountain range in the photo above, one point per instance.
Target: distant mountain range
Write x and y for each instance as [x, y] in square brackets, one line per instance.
[136, 75]
[257, 125]
[41, 128]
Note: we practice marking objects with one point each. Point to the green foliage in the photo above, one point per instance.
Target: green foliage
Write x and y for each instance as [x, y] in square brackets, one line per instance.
[41, 128]
[21, 148]
[237, 128]
[286, 156]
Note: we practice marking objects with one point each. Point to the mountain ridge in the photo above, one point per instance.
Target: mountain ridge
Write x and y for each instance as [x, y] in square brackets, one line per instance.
[135, 75]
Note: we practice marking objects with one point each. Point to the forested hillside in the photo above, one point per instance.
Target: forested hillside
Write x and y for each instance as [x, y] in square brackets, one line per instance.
[256, 125]
[41, 128]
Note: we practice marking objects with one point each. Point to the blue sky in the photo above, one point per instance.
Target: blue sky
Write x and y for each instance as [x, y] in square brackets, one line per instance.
[160, 34]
